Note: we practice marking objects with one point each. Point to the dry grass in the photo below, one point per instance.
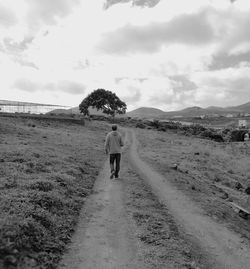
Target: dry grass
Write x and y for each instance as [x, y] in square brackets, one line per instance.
[47, 170]
[212, 173]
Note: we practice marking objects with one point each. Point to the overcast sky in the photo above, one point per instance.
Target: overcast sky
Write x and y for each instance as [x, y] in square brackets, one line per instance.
[167, 54]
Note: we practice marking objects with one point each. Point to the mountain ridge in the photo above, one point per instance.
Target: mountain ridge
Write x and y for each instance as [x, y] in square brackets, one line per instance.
[152, 112]
[193, 111]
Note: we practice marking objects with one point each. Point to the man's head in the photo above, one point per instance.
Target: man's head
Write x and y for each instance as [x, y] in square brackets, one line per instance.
[114, 127]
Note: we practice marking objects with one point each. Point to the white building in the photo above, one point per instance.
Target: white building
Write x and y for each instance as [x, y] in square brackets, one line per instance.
[244, 123]
[25, 107]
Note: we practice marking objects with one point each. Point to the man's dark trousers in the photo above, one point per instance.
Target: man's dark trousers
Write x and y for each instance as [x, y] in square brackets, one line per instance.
[115, 158]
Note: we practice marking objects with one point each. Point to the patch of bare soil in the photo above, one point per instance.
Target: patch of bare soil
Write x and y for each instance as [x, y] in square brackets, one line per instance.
[212, 174]
[47, 170]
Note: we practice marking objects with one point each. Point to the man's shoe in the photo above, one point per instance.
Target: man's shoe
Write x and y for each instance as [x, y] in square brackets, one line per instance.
[116, 176]
[112, 174]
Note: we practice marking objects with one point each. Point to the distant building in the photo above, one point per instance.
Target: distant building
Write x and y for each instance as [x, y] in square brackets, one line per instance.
[244, 123]
[177, 116]
[229, 115]
[213, 115]
[25, 107]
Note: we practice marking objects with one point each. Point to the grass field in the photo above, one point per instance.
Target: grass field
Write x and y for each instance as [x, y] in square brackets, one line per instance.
[212, 173]
[47, 170]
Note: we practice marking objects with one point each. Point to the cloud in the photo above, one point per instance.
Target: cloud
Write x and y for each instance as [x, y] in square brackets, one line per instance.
[141, 3]
[62, 86]
[133, 95]
[162, 99]
[233, 47]
[10, 46]
[26, 85]
[178, 92]
[224, 60]
[47, 11]
[7, 17]
[23, 62]
[119, 79]
[15, 50]
[223, 87]
[188, 29]
[129, 89]
[181, 83]
[82, 64]
[232, 27]
[71, 87]
[233, 85]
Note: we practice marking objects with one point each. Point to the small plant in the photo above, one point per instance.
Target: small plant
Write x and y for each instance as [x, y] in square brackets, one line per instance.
[44, 186]
[163, 129]
[140, 125]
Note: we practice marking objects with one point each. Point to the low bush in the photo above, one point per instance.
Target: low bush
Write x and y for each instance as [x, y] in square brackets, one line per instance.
[163, 129]
[211, 134]
[44, 186]
[171, 125]
[140, 125]
[237, 135]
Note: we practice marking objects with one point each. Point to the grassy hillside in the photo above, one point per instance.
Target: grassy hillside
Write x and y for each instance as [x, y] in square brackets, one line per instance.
[145, 112]
[150, 112]
[47, 170]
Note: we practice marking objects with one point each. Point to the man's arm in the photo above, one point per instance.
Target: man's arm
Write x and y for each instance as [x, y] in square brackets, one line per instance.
[106, 146]
[121, 141]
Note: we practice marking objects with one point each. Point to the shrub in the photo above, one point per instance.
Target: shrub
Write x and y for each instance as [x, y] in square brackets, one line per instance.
[163, 129]
[47, 201]
[197, 129]
[44, 186]
[237, 135]
[155, 124]
[140, 125]
[212, 135]
[171, 125]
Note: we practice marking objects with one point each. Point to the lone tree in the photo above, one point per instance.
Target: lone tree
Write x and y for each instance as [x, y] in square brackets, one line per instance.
[106, 101]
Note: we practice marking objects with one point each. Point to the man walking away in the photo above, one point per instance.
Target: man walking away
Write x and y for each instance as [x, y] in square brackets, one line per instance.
[113, 144]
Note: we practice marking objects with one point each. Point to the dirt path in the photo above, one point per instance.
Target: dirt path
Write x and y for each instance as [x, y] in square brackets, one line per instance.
[123, 225]
[226, 248]
[104, 238]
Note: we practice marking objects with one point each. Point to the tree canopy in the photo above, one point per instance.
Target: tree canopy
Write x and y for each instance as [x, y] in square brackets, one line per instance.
[104, 100]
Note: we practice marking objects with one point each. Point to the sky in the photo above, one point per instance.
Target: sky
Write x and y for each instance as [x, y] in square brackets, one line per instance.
[167, 54]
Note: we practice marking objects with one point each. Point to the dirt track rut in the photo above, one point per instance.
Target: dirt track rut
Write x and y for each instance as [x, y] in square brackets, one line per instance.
[226, 248]
[106, 236]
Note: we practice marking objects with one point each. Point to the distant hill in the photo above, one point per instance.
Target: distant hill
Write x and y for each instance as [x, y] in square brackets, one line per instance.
[149, 112]
[75, 110]
[143, 112]
[242, 108]
[146, 112]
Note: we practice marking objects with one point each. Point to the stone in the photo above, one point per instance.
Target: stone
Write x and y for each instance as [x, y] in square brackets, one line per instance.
[224, 195]
[247, 190]
[238, 185]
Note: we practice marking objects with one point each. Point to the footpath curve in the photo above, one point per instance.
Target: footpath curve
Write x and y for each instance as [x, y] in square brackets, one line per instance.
[224, 247]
